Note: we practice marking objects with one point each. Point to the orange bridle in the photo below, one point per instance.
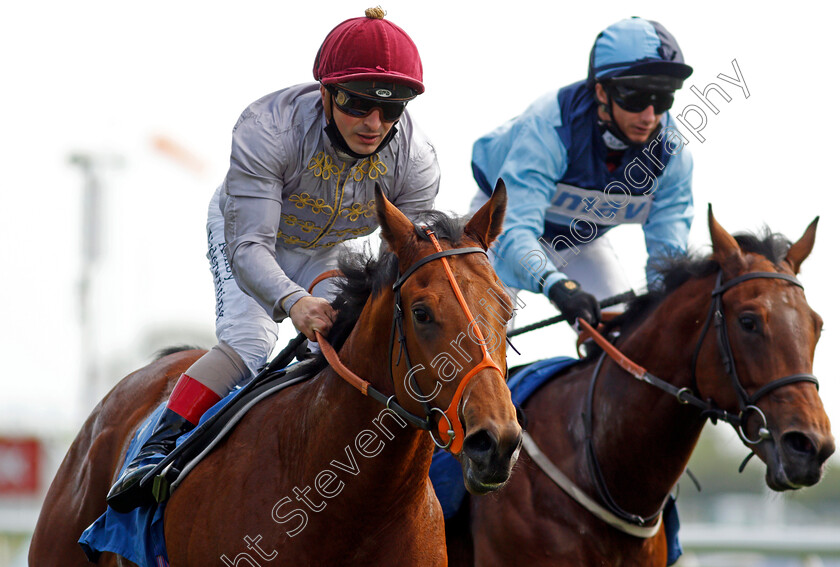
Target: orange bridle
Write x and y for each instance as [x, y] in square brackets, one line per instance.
[449, 426]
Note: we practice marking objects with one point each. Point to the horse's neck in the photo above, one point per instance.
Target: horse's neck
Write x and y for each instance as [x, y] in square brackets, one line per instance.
[651, 433]
[665, 341]
[395, 455]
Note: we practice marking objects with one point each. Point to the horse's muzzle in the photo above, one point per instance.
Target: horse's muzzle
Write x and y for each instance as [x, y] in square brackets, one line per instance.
[796, 459]
[487, 459]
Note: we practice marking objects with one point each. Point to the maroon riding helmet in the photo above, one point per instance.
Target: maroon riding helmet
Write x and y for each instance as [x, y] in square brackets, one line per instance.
[371, 50]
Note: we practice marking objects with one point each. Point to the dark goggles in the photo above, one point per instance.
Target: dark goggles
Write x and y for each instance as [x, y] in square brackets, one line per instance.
[634, 100]
[358, 106]
[635, 93]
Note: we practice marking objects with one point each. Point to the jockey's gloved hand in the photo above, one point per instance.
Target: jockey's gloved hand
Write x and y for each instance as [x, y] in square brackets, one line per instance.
[573, 302]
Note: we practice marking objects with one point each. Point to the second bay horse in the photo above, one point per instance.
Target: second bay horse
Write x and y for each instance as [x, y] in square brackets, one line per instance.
[730, 337]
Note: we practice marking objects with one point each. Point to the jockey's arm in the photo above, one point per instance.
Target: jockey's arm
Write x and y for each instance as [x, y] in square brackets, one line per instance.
[530, 166]
[252, 203]
[666, 228]
[415, 191]
[250, 231]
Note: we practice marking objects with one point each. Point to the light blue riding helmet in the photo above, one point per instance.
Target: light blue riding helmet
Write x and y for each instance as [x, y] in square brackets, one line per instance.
[634, 47]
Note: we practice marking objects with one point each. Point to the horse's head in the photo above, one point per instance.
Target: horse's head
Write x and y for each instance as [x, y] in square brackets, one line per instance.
[448, 356]
[772, 334]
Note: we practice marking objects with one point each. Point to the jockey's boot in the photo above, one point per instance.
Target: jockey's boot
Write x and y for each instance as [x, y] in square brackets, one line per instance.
[187, 403]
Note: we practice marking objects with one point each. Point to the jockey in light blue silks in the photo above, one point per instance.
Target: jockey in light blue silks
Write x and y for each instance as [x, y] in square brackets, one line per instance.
[581, 160]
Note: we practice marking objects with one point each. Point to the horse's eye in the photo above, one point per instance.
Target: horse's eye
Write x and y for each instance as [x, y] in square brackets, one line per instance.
[749, 323]
[421, 315]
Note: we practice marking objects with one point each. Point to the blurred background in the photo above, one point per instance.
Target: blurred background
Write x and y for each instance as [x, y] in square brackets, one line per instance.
[116, 130]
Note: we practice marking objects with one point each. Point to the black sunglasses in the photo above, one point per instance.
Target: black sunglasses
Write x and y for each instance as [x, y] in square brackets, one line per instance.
[635, 100]
[358, 106]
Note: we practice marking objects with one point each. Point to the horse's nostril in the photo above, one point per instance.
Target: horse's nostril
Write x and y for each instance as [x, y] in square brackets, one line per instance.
[798, 442]
[479, 445]
[825, 451]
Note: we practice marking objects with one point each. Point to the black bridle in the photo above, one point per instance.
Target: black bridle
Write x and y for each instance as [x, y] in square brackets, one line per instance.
[709, 409]
[746, 402]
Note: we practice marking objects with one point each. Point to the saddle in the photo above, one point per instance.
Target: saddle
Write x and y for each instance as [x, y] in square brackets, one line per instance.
[220, 419]
[138, 535]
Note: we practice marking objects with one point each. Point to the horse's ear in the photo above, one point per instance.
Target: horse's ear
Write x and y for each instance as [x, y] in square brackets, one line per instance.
[396, 227]
[800, 249]
[725, 248]
[486, 224]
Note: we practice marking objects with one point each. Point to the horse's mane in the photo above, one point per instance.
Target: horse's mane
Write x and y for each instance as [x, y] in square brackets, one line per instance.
[166, 351]
[366, 275]
[675, 270]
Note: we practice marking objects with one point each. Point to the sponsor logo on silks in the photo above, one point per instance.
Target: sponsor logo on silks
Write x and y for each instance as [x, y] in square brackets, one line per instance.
[384, 93]
[597, 206]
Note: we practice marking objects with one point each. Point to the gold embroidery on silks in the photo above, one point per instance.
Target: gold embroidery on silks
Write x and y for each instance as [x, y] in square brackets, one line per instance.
[293, 240]
[303, 200]
[371, 167]
[356, 210]
[324, 167]
[305, 225]
[353, 230]
[341, 235]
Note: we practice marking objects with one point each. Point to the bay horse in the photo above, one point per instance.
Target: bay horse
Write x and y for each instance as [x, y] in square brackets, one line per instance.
[319, 474]
[732, 337]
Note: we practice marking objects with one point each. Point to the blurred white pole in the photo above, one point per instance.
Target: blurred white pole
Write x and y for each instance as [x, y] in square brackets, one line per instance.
[90, 165]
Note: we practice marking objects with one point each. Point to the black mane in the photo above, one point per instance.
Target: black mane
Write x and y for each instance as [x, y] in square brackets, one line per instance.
[367, 275]
[678, 269]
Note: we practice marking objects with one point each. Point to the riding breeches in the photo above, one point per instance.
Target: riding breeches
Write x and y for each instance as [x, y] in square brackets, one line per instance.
[595, 267]
[241, 323]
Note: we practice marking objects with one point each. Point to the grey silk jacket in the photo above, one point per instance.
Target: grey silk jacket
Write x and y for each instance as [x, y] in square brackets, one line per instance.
[287, 187]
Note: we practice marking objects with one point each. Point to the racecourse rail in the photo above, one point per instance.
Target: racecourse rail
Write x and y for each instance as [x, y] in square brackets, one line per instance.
[811, 545]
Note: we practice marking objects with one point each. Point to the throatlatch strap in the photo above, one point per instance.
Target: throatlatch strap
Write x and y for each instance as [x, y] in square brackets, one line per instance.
[581, 497]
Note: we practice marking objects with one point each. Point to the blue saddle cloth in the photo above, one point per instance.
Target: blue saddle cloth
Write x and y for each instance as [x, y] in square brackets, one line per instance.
[447, 478]
[137, 535]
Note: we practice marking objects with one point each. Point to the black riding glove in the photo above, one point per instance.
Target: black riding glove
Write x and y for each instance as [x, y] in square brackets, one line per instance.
[573, 302]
